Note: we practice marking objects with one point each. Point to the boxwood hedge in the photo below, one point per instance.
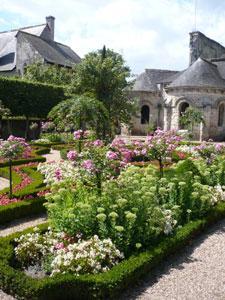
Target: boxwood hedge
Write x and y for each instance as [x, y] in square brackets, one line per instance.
[102, 286]
[29, 99]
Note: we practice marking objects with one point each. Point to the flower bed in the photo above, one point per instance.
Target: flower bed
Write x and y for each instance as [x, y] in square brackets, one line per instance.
[28, 191]
[107, 285]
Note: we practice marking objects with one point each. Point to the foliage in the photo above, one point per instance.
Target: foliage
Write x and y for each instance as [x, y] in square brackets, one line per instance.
[191, 117]
[79, 112]
[136, 209]
[28, 99]
[50, 74]
[104, 75]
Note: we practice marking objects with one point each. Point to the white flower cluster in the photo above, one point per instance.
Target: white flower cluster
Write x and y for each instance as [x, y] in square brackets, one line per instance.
[57, 171]
[218, 194]
[187, 149]
[86, 257]
[41, 141]
[170, 222]
[67, 254]
[33, 246]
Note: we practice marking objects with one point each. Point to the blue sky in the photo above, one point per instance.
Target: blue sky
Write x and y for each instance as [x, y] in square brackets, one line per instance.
[149, 33]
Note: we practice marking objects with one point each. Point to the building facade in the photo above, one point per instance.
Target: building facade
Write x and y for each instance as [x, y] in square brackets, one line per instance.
[24, 46]
[164, 95]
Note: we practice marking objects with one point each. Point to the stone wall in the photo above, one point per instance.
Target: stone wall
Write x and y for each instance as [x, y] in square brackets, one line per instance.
[205, 100]
[202, 46]
[26, 54]
[155, 103]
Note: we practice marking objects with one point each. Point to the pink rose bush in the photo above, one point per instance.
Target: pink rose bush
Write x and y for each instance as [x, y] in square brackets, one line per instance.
[209, 151]
[14, 147]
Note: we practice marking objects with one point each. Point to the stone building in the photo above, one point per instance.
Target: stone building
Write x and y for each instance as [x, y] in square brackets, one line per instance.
[23, 46]
[163, 95]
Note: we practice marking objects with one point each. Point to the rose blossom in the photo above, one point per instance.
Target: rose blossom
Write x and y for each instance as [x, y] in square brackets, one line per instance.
[72, 155]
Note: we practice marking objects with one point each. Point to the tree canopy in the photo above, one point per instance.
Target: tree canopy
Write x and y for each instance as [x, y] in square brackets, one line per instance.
[103, 74]
[79, 112]
[46, 73]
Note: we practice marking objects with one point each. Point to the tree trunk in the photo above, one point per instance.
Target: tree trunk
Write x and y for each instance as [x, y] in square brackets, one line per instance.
[160, 168]
[27, 128]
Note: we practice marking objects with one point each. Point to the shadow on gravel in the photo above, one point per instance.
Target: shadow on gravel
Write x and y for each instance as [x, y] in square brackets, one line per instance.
[175, 261]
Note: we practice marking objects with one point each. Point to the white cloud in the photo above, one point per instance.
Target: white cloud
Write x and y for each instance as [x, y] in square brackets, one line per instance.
[149, 33]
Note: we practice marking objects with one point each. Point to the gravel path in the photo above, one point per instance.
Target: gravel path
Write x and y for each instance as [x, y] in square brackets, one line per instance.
[21, 224]
[4, 183]
[198, 273]
[54, 155]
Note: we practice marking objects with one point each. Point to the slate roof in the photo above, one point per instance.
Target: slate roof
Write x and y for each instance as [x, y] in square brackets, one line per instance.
[52, 51]
[148, 80]
[201, 73]
[8, 45]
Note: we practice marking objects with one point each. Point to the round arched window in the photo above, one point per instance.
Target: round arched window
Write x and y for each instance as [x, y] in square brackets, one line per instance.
[182, 108]
[145, 114]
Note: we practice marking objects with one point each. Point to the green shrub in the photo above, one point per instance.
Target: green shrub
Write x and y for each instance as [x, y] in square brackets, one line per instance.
[21, 209]
[28, 98]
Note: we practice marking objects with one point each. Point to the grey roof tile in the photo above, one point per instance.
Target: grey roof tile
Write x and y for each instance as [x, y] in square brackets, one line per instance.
[148, 80]
[201, 73]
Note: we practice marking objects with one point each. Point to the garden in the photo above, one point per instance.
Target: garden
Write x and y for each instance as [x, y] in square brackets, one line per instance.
[115, 209]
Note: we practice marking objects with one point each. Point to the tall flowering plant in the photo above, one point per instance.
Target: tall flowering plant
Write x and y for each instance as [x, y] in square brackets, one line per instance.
[96, 162]
[209, 151]
[160, 145]
[14, 147]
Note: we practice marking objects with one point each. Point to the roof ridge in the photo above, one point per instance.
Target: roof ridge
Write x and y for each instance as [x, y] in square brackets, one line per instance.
[20, 29]
[162, 70]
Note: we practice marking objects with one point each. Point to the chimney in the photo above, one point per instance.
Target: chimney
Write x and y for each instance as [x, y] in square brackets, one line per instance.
[50, 20]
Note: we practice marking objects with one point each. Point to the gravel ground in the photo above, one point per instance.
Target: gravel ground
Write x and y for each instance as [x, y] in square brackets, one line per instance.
[21, 224]
[54, 155]
[197, 273]
[4, 183]
[4, 296]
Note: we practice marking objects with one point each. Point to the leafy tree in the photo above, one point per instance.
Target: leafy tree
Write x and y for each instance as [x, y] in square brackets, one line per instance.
[52, 74]
[79, 112]
[190, 118]
[103, 74]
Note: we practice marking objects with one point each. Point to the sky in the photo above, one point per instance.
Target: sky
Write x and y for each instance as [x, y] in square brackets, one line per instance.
[148, 33]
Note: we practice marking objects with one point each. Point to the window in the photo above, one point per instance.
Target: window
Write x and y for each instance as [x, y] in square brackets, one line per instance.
[221, 115]
[145, 111]
[182, 108]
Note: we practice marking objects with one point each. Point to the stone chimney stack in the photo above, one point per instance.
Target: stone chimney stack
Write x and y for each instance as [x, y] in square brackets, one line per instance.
[50, 20]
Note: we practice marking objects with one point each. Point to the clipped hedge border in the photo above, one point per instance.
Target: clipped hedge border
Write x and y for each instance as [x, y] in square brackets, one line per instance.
[102, 286]
[21, 209]
[35, 186]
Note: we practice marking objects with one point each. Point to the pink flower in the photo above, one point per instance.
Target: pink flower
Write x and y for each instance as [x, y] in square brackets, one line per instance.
[58, 174]
[98, 143]
[78, 134]
[72, 155]
[111, 155]
[88, 165]
[59, 246]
